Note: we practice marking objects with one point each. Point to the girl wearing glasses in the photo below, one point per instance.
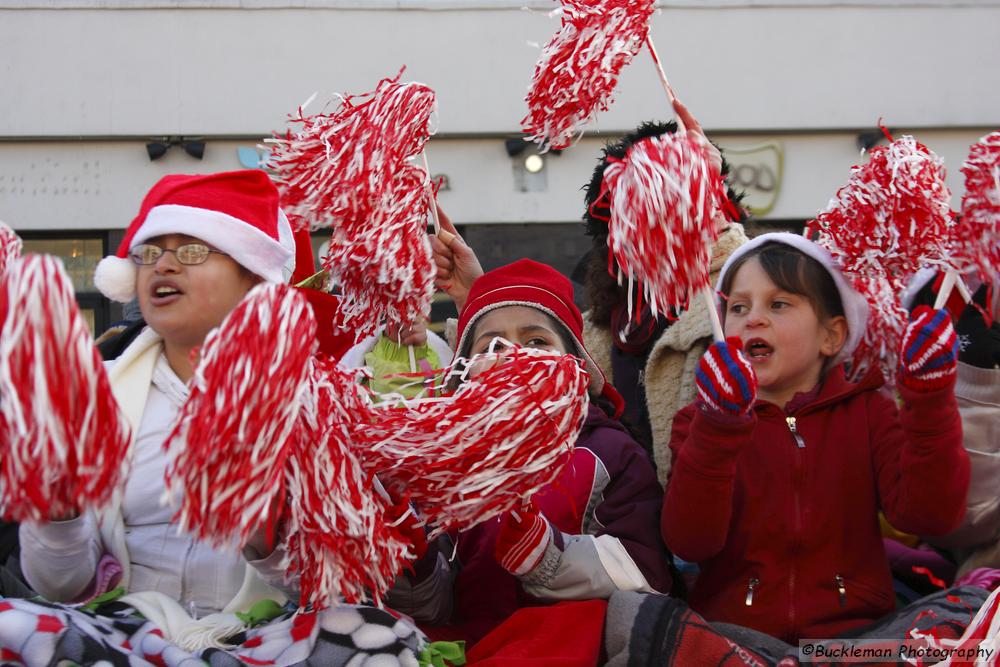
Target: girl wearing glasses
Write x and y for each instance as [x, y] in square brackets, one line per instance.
[197, 246]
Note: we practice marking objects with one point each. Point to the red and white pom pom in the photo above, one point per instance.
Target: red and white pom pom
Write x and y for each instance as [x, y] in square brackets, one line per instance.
[228, 447]
[891, 218]
[575, 77]
[337, 538]
[349, 171]
[502, 436]
[388, 273]
[977, 234]
[894, 213]
[10, 246]
[664, 197]
[336, 167]
[63, 439]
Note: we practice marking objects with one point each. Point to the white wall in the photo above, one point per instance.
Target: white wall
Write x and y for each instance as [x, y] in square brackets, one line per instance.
[86, 82]
[740, 66]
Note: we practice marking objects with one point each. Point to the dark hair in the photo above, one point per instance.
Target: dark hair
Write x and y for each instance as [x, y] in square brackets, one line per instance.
[603, 290]
[793, 271]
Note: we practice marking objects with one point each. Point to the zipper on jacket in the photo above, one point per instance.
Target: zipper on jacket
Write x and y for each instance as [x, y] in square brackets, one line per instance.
[841, 590]
[795, 433]
[754, 581]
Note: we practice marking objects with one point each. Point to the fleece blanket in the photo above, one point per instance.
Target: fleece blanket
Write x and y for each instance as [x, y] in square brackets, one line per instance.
[39, 634]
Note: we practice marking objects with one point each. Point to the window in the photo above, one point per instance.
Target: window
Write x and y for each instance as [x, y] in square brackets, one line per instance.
[80, 254]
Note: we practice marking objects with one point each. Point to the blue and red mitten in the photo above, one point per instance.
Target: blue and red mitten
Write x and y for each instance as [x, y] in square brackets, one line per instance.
[928, 357]
[524, 537]
[726, 380]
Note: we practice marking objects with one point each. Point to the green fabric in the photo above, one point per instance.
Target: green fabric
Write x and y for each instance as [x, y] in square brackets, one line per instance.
[389, 361]
[261, 612]
[442, 654]
[110, 596]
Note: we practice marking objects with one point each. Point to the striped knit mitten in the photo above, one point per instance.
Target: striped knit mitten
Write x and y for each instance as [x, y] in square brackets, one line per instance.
[929, 353]
[524, 537]
[726, 380]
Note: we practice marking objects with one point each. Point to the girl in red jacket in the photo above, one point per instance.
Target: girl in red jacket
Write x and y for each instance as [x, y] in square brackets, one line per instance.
[781, 465]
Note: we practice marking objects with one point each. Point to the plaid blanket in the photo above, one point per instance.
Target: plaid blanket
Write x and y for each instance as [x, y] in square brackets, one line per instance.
[36, 633]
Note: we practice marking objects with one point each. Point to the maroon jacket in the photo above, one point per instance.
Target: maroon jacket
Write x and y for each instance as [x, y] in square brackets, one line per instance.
[786, 531]
[609, 488]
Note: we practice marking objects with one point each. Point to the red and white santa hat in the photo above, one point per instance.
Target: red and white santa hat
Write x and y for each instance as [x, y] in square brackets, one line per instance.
[855, 305]
[539, 286]
[235, 212]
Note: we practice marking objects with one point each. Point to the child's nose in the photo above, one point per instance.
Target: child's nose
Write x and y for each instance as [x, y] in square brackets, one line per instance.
[756, 317]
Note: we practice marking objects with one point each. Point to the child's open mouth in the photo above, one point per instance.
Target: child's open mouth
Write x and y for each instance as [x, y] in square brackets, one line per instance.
[757, 349]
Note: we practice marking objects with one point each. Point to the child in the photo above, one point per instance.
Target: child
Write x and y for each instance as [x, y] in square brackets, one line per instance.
[196, 248]
[781, 465]
[593, 531]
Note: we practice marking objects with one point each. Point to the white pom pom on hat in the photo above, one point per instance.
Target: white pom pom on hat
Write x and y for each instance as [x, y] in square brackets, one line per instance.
[235, 212]
[854, 303]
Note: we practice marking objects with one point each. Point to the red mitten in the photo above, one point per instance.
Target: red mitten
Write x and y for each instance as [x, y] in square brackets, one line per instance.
[928, 357]
[524, 537]
[726, 380]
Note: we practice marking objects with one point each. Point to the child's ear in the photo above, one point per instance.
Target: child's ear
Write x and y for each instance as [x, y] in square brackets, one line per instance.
[834, 336]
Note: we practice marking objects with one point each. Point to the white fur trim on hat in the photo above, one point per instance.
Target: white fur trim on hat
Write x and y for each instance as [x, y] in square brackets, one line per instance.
[249, 246]
[115, 278]
[855, 305]
[287, 239]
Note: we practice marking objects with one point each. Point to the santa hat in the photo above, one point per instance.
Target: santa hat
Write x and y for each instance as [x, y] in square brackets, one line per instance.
[236, 212]
[535, 285]
[855, 305]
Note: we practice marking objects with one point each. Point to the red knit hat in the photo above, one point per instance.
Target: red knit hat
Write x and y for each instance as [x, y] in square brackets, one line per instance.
[236, 212]
[539, 286]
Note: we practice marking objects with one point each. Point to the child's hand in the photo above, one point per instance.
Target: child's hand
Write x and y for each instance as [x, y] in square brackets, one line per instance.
[457, 264]
[929, 353]
[524, 537]
[415, 334]
[726, 380]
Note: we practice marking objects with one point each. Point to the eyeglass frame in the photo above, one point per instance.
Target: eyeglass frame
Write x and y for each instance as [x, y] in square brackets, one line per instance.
[208, 251]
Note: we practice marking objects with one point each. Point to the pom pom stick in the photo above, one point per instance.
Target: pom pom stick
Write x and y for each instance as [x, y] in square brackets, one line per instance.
[10, 246]
[63, 440]
[664, 197]
[348, 170]
[892, 217]
[229, 444]
[578, 69]
[976, 236]
[338, 540]
[502, 436]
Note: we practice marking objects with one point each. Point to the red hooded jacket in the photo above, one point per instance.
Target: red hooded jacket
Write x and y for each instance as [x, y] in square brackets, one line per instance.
[784, 523]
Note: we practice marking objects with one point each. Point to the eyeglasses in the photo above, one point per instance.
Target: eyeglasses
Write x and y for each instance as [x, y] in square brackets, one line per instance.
[145, 254]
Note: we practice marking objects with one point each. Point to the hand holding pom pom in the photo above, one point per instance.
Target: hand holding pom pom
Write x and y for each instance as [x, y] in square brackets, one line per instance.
[524, 537]
[726, 381]
[928, 356]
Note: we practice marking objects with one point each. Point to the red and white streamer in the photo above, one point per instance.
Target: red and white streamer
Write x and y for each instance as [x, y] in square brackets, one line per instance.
[977, 234]
[387, 273]
[891, 218]
[63, 439]
[228, 447]
[664, 198]
[338, 539]
[578, 70]
[10, 246]
[502, 436]
[350, 170]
